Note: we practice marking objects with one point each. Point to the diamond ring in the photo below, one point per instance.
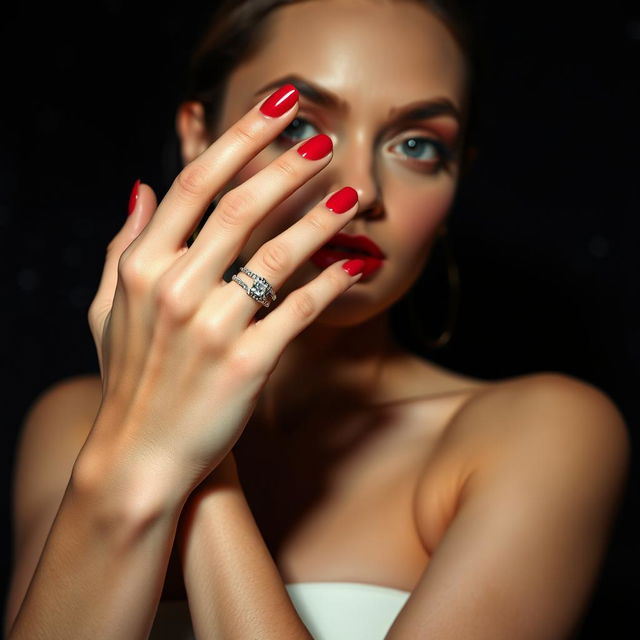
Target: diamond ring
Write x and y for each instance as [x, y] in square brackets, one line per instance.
[259, 289]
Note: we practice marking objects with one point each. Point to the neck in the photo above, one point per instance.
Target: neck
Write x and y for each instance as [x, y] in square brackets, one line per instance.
[328, 366]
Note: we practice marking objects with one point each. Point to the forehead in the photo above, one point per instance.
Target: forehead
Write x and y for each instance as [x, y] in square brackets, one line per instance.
[360, 49]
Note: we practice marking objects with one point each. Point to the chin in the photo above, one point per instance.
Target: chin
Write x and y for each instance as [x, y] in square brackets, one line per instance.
[352, 308]
[366, 299]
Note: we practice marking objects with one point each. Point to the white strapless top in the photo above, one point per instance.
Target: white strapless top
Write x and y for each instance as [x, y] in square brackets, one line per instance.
[330, 610]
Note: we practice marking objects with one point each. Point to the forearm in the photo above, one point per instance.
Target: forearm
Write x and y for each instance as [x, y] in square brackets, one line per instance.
[101, 571]
[233, 585]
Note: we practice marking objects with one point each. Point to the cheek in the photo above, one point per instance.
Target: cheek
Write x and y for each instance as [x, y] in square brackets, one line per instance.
[417, 213]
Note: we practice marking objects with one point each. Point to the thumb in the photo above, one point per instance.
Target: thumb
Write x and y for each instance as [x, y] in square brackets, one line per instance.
[142, 205]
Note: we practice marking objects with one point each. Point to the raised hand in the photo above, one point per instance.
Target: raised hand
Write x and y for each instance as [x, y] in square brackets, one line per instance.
[183, 359]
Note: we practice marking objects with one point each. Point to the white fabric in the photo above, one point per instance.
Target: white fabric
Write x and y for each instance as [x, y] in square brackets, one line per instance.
[330, 610]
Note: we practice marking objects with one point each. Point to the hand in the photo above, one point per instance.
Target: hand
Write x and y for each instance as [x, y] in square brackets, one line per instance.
[182, 358]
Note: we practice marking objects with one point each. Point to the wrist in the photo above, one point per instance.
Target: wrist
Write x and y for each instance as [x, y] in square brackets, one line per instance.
[125, 491]
[219, 492]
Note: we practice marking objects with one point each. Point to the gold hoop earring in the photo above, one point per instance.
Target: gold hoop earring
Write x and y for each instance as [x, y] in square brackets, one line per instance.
[453, 281]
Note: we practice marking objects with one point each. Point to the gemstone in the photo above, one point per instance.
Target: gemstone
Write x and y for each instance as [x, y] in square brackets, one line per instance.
[259, 288]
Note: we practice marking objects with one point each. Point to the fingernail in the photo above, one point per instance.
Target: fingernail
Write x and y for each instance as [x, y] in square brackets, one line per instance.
[354, 267]
[342, 200]
[317, 147]
[280, 101]
[133, 198]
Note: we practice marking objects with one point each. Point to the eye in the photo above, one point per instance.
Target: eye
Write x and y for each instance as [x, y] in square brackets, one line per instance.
[424, 150]
[298, 129]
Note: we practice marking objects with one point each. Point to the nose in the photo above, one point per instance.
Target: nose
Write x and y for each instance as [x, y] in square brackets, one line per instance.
[353, 164]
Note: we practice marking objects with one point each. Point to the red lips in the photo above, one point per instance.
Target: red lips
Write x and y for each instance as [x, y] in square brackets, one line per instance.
[343, 246]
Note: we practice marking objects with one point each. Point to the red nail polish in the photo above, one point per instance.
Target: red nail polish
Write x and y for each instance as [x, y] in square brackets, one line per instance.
[280, 101]
[342, 200]
[133, 198]
[354, 267]
[317, 147]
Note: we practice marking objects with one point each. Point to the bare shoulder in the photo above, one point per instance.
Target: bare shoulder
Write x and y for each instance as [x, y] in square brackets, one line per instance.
[527, 483]
[76, 395]
[53, 431]
[60, 411]
[549, 406]
[548, 422]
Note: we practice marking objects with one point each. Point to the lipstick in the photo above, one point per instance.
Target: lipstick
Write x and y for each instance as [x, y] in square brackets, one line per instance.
[343, 246]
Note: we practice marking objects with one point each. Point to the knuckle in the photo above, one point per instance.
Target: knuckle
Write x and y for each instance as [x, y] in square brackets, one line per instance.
[245, 134]
[133, 271]
[126, 254]
[244, 363]
[115, 247]
[233, 207]
[302, 304]
[192, 179]
[318, 223]
[210, 334]
[93, 311]
[275, 256]
[285, 167]
[92, 318]
[336, 279]
[112, 246]
[171, 299]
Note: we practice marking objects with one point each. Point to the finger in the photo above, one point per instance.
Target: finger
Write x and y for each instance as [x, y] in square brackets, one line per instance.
[136, 221]
[263, 342]
[278, 258]
[146, 205]
[199, 181]
[240, 210]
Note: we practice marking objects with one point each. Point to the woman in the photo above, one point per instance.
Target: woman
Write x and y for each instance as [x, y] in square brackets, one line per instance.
[251, 439]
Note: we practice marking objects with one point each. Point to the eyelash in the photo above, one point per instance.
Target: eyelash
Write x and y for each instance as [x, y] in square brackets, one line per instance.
[443, 152]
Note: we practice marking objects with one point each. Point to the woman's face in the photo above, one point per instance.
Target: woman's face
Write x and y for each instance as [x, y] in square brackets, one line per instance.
[379, 60]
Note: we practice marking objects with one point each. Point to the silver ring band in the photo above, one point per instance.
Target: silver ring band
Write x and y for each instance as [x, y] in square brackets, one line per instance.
[259, 289]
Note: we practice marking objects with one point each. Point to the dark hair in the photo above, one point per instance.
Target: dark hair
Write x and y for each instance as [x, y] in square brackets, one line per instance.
[237, 29]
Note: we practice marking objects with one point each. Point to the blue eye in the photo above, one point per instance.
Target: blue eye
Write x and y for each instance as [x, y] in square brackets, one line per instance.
[423, 149]
[299, 129]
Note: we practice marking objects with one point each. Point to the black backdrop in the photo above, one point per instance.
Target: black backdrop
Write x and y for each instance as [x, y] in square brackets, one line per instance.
[544, 230]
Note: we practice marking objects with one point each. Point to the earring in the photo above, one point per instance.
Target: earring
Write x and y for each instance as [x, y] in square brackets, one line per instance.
[453, 281]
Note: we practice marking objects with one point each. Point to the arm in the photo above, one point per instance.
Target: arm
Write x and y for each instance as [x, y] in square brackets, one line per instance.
[52, 434]
[183, 365]
[90, 558]
[523, 550]
[233, 586]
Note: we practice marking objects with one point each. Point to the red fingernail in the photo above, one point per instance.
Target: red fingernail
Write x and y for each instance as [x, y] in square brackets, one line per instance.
[280, 101]
[133, 198]
[317, 147]
[354, 267]
[342, 200]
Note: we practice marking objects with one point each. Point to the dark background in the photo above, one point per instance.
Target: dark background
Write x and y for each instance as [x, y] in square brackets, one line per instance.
[544, 230]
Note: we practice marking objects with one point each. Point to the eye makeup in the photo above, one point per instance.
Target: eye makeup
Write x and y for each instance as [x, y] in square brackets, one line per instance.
[415, 114]
[416, 142]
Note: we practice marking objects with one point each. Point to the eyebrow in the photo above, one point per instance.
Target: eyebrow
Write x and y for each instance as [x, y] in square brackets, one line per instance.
[420, 110]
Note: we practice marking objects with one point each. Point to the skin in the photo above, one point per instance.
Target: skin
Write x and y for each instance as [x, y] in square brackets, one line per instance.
[516, 505]
[404, 202]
